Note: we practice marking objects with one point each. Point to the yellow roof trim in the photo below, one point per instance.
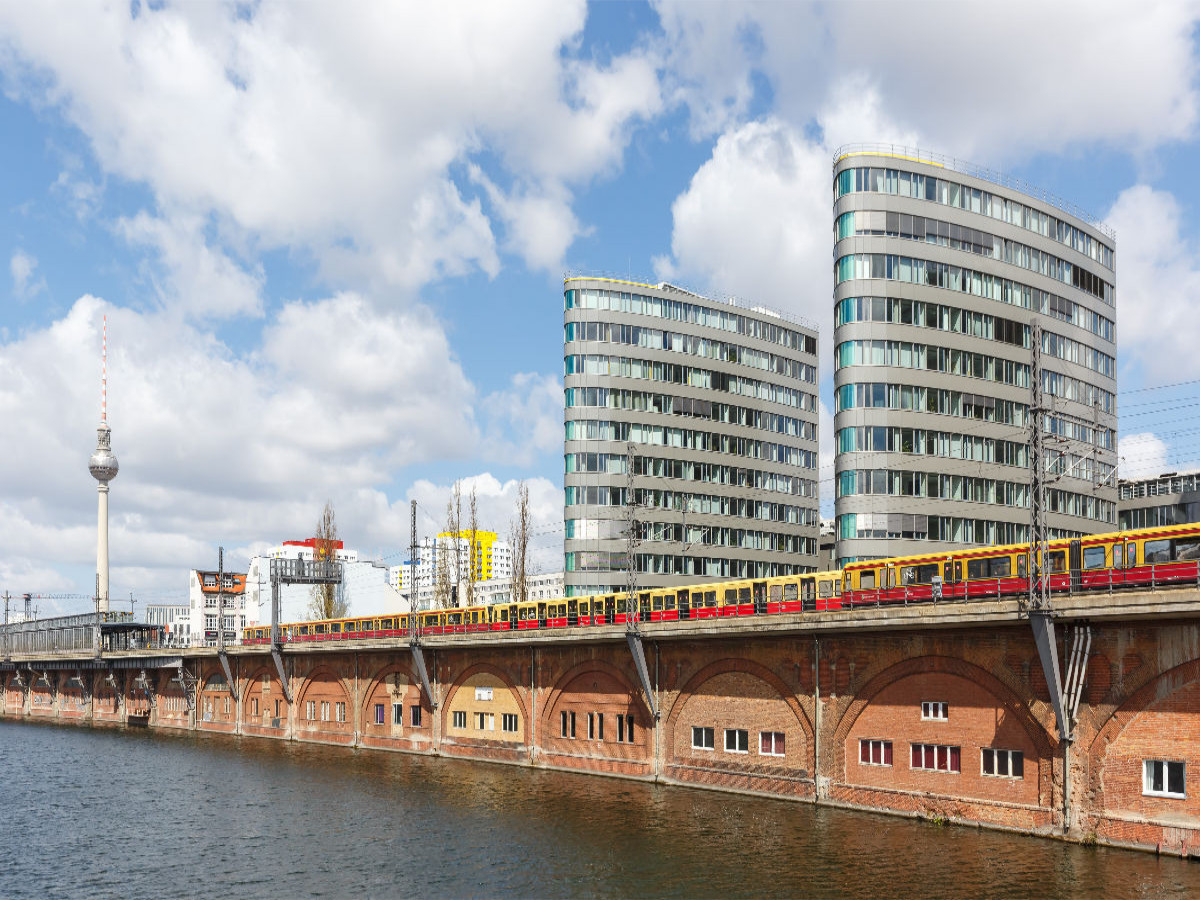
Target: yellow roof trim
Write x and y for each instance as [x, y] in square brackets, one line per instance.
[926, 162]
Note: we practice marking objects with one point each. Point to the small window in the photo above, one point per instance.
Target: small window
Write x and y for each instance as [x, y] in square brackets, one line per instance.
[866, 581]
[380, 714]
[737, 740]
[509, 722]
[460, 719]
[397, 713]
[1093, 558]
[936, 758]
[1003, 763]
[936, 710]
[414, 716]
[1187, 550]
[485, 721]
[875, 753]
[702, 738]
[1163, 778]
[1058, 561]
[771, 743]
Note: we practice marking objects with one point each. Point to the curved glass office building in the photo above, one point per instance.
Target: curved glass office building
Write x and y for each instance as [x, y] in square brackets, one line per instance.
[940, 269]
[716, 405]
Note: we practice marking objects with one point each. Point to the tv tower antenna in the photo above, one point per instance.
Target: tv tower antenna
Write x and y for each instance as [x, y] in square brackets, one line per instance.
[103, 466]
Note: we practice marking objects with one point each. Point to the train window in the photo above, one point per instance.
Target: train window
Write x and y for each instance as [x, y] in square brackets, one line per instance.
[837, 587]
[891, 576]
[808, 588]
[351, 626]
[952, 572]
[318, 629]
[744, 595]
[669, 601]
[335, 628]
[776, 593]
[1058, 561]
[658, 602]
[1093, 558]
[731, 595]
[710, 598]
[790, 591]
[866, 581]
[1189, 549]
[825, 587]
[1022, 565]
[1157, 552]
[908, 575]
[926, 573]
[1131, 555]
[992, 567]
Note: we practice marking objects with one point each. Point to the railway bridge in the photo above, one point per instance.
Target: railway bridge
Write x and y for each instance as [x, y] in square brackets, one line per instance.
[935, 710]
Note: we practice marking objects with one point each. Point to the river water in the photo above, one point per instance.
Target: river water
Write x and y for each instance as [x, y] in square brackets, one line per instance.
[126, 813]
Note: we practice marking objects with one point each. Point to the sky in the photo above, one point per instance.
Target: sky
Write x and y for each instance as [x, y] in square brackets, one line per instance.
[330, 239]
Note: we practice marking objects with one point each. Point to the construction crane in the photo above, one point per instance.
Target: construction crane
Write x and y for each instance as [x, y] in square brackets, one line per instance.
[30, 597]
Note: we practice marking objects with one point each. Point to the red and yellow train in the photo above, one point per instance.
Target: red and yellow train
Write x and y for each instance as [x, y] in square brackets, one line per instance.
[1125, 559]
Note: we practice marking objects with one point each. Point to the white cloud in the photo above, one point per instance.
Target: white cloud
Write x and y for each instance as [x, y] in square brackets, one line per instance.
[196, 278]
[1141, 455]
[22, 267]
[525, 419]
[1158, 281]
[339, 130]
[997, 81]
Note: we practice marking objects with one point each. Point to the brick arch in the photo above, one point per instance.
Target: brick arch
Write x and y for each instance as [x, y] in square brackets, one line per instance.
[312, 676]
[946, 665]
[377, 679]
[593, 665]
[253, 679]
[748, 667]
[1138, 702]
[489, 669]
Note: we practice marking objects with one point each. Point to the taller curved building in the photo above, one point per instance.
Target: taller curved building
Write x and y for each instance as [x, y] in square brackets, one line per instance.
[940, 269]
[715, 404]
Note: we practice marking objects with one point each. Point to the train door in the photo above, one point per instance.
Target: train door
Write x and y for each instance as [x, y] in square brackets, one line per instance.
[808, 594]
[685, 605]
[644, 607]
[572, 612]
[760, 596]
[610, 609]
[1076, 564]
[541, 615]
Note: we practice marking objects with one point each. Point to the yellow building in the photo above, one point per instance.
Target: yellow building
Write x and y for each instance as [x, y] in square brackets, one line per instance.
[488, 556]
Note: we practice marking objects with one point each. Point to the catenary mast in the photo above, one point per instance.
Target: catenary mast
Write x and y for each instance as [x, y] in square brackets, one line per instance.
[103, 466]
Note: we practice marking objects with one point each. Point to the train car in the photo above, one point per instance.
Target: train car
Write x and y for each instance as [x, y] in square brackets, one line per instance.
[965, 574]
[1148, 557]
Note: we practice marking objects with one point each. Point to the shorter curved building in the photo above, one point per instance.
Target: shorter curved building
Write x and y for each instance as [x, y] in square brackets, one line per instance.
[716, 406]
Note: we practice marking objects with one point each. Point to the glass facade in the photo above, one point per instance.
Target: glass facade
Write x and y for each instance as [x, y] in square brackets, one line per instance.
[938, 276]
[697, 420]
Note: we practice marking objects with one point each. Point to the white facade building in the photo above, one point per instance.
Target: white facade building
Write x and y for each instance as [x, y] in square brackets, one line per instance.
[176, 618]
[203, 594]
[366, 584]
[493, 560]
[538, 587]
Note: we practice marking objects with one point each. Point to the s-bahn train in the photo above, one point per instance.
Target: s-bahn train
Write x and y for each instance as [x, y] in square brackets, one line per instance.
[1149, 557]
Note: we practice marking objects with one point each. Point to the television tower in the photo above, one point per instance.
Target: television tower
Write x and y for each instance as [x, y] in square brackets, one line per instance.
[103, 466]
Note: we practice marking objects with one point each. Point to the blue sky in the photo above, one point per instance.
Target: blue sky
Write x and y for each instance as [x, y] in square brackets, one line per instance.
[330, 241]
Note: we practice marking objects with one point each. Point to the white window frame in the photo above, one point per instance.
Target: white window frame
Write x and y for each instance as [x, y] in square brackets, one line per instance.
[776, 737]
[704, 731]
[996, 755]
[459, 719]
[509, 719]
[737, 733]
[935, 711]
[1147, 769]
[872, 743]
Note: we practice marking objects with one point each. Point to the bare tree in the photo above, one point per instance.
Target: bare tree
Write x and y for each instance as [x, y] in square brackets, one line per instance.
[519, 539]
[449, 577]
[474, 563]
[325, 602]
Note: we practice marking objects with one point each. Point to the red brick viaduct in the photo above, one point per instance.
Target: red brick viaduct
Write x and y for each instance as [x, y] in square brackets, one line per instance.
[780, 705]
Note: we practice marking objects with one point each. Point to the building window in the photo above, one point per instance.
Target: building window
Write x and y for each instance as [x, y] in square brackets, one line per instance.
[770, 743]
[1004, 763]
[938, 711]
[702, 738]
[737, 740]
[936, 758]
[312, 710]
[397, 713]
[254, 707]
[324, 710]
[625, 730]
[568, 724]
[414, 716]
[341, 712]
[1163, 778]
[460, 718]
[508, 722]
[380, 714]
[875, 753]
[485, 721]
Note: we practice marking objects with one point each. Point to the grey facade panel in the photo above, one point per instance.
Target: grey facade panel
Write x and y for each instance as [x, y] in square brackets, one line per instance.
[951, 375]
[749, 488]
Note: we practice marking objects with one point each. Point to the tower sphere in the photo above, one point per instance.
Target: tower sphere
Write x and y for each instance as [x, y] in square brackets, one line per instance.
[103, 462]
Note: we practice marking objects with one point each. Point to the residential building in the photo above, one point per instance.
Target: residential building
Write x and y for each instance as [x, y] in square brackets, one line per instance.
[214, 597]
[365, 585]
[1172, 498]
[490, 559]
[714, 405]
[537, 587]
[940, 270]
